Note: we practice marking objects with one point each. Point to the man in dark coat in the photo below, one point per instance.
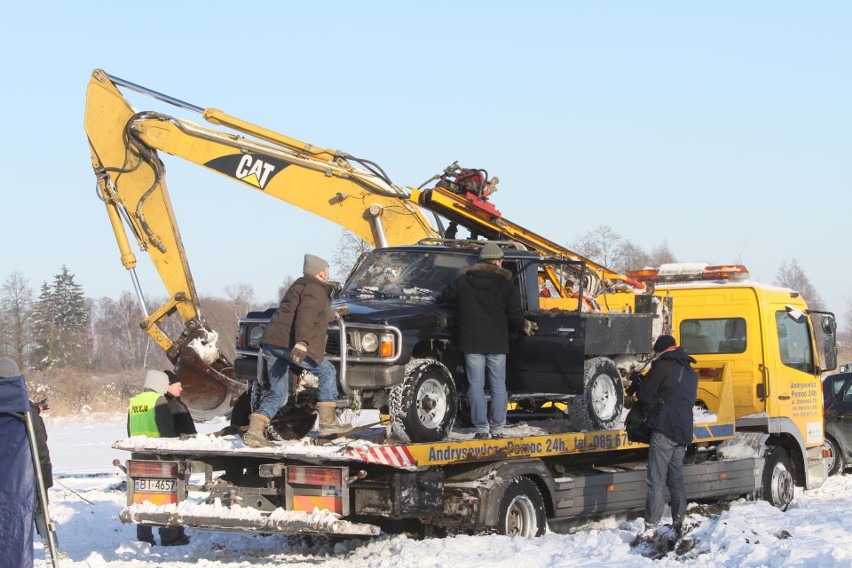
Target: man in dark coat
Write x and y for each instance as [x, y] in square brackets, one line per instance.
[296, 335]
[489, 305]
[181, 417]
[668, 392]
[149, 414]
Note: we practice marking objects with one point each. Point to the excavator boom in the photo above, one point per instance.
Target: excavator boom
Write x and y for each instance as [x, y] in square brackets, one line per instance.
[124, 146]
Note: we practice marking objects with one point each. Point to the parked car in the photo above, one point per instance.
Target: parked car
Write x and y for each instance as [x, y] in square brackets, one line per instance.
[837, 392]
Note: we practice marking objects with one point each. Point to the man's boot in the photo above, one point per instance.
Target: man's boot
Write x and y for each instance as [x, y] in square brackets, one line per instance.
[328, 423]
[255, 436]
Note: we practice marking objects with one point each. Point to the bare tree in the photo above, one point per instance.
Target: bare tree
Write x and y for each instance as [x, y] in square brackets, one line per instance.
[349, 248]
[632, 258]
[241, 296]
[662, 254]
[16, 301]
[844, 337]
[285, 285]
[604, 246]
[793, 276]
[120, 344]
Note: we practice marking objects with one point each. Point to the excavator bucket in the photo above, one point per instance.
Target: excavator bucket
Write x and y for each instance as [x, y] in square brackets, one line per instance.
[209, 389]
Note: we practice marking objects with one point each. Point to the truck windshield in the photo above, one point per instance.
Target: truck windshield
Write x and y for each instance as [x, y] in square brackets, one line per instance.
[405, 274]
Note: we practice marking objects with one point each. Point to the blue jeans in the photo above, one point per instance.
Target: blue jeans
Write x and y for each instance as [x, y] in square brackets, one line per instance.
[274, 395]
[665, 469]
[481, 415]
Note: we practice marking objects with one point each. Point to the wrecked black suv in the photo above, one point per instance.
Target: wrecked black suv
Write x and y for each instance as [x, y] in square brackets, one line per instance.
[395, 350]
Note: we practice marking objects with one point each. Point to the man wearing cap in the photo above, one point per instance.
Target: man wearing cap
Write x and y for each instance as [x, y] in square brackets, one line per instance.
[181, 417]
[668, 392]
[489, 305]
[149, 414]
[296, 335]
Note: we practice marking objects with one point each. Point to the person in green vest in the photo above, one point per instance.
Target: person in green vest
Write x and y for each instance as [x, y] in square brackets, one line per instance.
[148, 414]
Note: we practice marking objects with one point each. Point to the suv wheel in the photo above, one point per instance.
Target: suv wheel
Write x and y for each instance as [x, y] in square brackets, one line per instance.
[423, 408]
[602, 402]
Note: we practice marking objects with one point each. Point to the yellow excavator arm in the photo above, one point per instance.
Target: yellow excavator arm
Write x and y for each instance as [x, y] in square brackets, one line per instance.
[131, 182]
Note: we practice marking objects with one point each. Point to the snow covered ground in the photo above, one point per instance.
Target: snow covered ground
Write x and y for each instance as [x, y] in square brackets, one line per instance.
[85, 501]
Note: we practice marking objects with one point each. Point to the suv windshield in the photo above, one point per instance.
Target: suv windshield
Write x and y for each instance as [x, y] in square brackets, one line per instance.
[409, 274]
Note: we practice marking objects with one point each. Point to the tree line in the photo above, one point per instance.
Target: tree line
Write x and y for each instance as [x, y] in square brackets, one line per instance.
[62, 328]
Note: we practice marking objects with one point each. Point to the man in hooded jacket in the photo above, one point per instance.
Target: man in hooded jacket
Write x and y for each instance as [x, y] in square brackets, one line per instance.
[668, 392]
[489, 306]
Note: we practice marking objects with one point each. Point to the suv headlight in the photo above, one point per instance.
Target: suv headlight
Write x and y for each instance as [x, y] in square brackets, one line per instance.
[255, 335]
[369, 342]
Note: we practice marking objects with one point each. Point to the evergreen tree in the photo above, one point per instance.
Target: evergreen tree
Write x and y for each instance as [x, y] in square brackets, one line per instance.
[60, 323]
[44, 332]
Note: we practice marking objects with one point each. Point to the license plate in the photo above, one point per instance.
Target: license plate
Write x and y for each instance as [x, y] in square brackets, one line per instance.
[150, 485]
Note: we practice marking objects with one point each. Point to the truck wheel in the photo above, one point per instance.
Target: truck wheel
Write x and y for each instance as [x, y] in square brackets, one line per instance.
[777, 485]
[602, 402]
[423, 408]
[522, 510]
[834, 462]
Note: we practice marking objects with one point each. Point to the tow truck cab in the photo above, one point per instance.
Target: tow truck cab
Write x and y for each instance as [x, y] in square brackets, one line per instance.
[776, 347]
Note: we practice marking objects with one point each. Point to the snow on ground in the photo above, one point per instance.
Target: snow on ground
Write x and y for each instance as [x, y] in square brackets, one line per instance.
[816, 531]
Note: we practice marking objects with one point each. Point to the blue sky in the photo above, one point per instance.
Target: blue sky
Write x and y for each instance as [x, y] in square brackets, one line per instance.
[721, 128]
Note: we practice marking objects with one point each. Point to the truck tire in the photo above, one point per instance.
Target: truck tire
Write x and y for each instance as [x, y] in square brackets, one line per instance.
[834, 462]
[522, 510]
[777, 481]
[423, 408]
[602, 402]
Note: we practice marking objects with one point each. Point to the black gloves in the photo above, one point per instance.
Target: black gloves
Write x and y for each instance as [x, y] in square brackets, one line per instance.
[635, 382]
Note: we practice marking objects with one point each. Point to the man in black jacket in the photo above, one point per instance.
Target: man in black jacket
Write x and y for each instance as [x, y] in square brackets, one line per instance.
[489, 305]
[668, 392]
[181, 417]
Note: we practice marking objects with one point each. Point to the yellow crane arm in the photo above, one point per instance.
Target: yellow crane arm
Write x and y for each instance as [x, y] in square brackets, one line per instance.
[124, 146]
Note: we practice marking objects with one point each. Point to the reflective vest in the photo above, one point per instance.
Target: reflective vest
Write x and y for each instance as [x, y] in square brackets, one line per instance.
[143, 421]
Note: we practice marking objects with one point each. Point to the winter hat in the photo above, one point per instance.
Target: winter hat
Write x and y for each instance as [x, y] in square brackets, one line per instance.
[490, 252]
[8, 368]
[157, 381]
[663, 343]
[173, 378]
[313, 265]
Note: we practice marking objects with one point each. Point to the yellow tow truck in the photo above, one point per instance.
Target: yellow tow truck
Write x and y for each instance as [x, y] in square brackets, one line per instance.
[598, 324]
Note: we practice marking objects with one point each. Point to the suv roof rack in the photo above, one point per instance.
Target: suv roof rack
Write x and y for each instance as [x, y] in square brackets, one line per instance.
[467, 243]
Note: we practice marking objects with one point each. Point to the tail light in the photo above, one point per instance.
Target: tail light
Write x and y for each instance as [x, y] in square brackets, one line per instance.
[159, 469]
[317, 487]
[314, 475]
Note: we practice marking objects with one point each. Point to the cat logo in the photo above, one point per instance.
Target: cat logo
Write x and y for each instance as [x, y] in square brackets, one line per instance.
[252, 169]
